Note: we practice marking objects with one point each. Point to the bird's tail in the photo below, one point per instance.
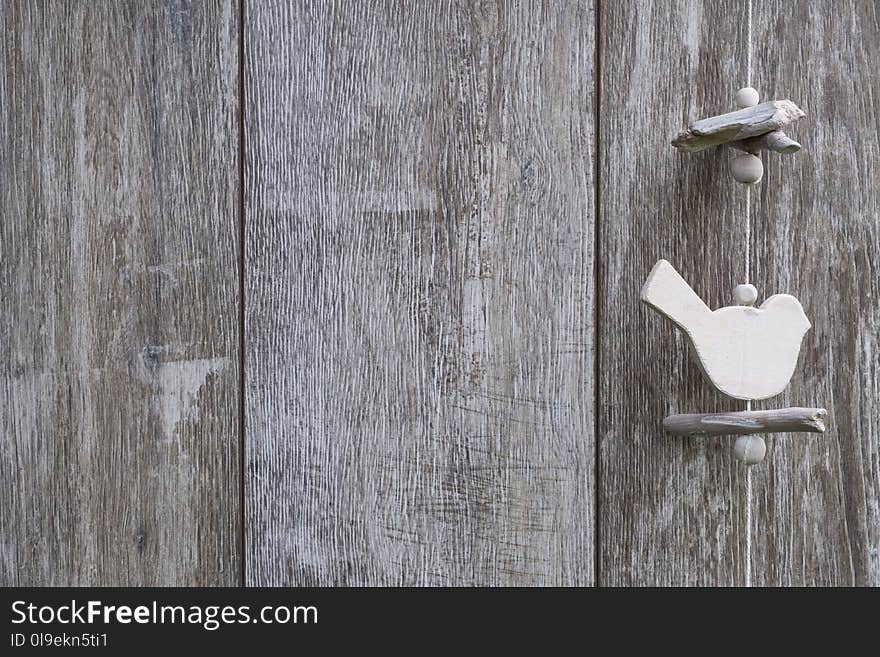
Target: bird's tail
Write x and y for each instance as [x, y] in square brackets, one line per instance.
[666, 291]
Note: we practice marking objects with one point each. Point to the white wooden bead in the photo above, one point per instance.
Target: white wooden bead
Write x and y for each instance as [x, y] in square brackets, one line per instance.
[750, 449]
[745, 294]
[747, 169]
[746, 97]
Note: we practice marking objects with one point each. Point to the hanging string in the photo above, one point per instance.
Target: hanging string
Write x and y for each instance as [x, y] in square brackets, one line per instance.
[749, 51]
[748, 565]
[748, 236]
[748, 188]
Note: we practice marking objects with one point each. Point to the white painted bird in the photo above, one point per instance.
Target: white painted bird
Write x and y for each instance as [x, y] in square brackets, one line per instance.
[747, 353]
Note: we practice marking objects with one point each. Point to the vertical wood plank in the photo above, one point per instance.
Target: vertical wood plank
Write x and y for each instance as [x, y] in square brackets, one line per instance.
[419, 327]
[671, 509]
[817, 236]
[119, 372]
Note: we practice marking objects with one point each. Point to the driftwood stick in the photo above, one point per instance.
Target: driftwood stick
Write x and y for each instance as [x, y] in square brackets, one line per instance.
[776, 141]
[735, 126]
[783, 420]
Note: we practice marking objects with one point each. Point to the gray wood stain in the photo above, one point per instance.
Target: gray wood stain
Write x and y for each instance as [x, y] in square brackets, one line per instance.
[419, 298]
[817, 229]
[119, 369]
[671, 508]
[428, 348]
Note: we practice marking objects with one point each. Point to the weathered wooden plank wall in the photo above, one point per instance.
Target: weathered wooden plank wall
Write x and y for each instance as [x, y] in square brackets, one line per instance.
[119, 368]
[419, 293]
[817, 233]
[436, 318]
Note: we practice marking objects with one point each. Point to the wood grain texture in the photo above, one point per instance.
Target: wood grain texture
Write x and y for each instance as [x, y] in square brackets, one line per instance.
[817, 234]
[419, 293]
[776, 141]
[790, 420]
[119, 368]
[671, 510]
[738, 125]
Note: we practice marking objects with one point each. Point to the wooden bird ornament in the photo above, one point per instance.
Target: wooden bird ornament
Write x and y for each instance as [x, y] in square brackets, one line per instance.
[747, 353]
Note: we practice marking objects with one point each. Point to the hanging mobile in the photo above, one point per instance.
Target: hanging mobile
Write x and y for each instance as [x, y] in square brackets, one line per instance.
[747, 353]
